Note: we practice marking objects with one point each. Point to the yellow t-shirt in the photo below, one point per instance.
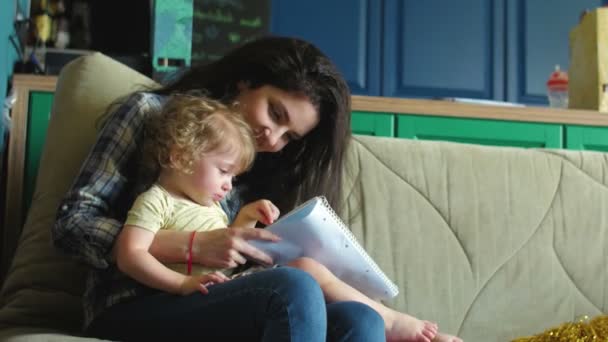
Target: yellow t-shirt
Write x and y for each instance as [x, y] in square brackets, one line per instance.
[156, 209]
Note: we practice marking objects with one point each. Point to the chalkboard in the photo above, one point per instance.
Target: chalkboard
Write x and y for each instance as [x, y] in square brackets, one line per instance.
[220, 25]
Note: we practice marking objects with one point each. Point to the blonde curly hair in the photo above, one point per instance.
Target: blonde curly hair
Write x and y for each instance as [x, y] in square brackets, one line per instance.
[190, 126]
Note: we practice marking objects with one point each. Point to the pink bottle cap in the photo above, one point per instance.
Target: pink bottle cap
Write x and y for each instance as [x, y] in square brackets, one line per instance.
[558, 80]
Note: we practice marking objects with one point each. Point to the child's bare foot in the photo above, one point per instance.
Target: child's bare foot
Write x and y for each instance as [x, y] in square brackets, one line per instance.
[441, 337]
[405, 328]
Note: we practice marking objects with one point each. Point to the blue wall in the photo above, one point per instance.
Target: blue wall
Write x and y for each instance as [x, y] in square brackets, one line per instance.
[7, 12]
[8, 55]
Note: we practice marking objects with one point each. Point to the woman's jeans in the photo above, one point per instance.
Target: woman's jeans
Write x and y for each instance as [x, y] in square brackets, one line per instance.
[279, 304]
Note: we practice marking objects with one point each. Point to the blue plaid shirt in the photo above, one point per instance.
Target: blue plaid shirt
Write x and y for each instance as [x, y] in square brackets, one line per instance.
[93, 212]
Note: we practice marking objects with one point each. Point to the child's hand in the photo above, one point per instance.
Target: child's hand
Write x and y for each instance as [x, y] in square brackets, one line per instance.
[261, 210]
[200, 282]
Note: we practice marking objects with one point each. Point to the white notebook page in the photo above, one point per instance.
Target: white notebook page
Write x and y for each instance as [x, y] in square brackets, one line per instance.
[314, 230]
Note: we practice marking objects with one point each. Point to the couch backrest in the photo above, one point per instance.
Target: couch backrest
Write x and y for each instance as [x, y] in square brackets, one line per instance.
[43, 287]
[492, 243]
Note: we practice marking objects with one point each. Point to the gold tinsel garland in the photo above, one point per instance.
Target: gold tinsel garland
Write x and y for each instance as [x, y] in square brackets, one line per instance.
[584, 330]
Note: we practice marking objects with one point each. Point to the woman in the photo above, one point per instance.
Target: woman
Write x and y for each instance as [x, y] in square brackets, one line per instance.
[298, 107]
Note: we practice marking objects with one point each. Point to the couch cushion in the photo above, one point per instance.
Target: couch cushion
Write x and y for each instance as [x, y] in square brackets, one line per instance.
[492, 243]
[43, 287]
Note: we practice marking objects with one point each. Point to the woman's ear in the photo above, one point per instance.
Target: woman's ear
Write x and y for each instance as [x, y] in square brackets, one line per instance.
[243, 85]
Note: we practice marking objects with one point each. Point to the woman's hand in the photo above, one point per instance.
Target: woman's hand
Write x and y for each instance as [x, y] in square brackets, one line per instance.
[228, 247]
[199, 283]
[261, 210]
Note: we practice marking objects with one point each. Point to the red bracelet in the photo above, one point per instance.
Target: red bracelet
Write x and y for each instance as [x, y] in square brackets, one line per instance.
[189, 256]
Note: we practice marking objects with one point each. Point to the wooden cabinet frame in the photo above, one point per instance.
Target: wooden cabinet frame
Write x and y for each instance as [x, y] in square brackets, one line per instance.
[23, 85]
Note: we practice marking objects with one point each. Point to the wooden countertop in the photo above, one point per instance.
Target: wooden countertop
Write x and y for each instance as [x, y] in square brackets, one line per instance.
[37, 82]
[477, 111]
[422, 107]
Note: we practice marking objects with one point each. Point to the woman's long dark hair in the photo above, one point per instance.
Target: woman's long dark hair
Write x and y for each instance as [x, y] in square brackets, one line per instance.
[304, 168]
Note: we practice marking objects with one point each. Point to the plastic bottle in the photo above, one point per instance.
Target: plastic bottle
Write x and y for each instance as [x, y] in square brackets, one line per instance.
[557, 88]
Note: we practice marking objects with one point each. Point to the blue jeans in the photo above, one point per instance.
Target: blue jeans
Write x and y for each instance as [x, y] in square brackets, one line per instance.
[280, 304]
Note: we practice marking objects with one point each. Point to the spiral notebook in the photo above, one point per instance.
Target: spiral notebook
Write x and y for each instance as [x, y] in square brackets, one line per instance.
[314, 230]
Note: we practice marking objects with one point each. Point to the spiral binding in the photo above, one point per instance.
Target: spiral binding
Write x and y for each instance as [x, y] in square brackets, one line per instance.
[353, 240]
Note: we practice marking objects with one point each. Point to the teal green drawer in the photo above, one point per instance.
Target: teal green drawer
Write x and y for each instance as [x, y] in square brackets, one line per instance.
[587, 138]
[482, 132]
[377, 124]
[40, 104]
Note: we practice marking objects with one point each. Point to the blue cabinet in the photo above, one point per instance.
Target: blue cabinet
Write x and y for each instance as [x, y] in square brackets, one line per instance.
[487, 49]
[537, 40]
[348, 31]
[443, 48]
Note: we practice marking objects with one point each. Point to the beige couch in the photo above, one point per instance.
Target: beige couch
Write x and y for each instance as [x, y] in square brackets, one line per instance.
[493, 243]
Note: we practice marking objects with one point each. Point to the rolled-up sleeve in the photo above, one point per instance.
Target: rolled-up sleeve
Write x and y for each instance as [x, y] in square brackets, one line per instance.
[86, 224]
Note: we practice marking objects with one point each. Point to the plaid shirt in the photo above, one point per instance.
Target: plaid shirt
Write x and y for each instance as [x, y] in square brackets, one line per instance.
[93, 212]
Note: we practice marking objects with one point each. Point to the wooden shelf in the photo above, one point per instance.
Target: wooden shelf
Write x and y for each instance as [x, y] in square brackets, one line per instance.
[476, 111]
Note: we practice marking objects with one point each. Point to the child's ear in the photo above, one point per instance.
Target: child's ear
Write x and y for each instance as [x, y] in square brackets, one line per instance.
[175, 160]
